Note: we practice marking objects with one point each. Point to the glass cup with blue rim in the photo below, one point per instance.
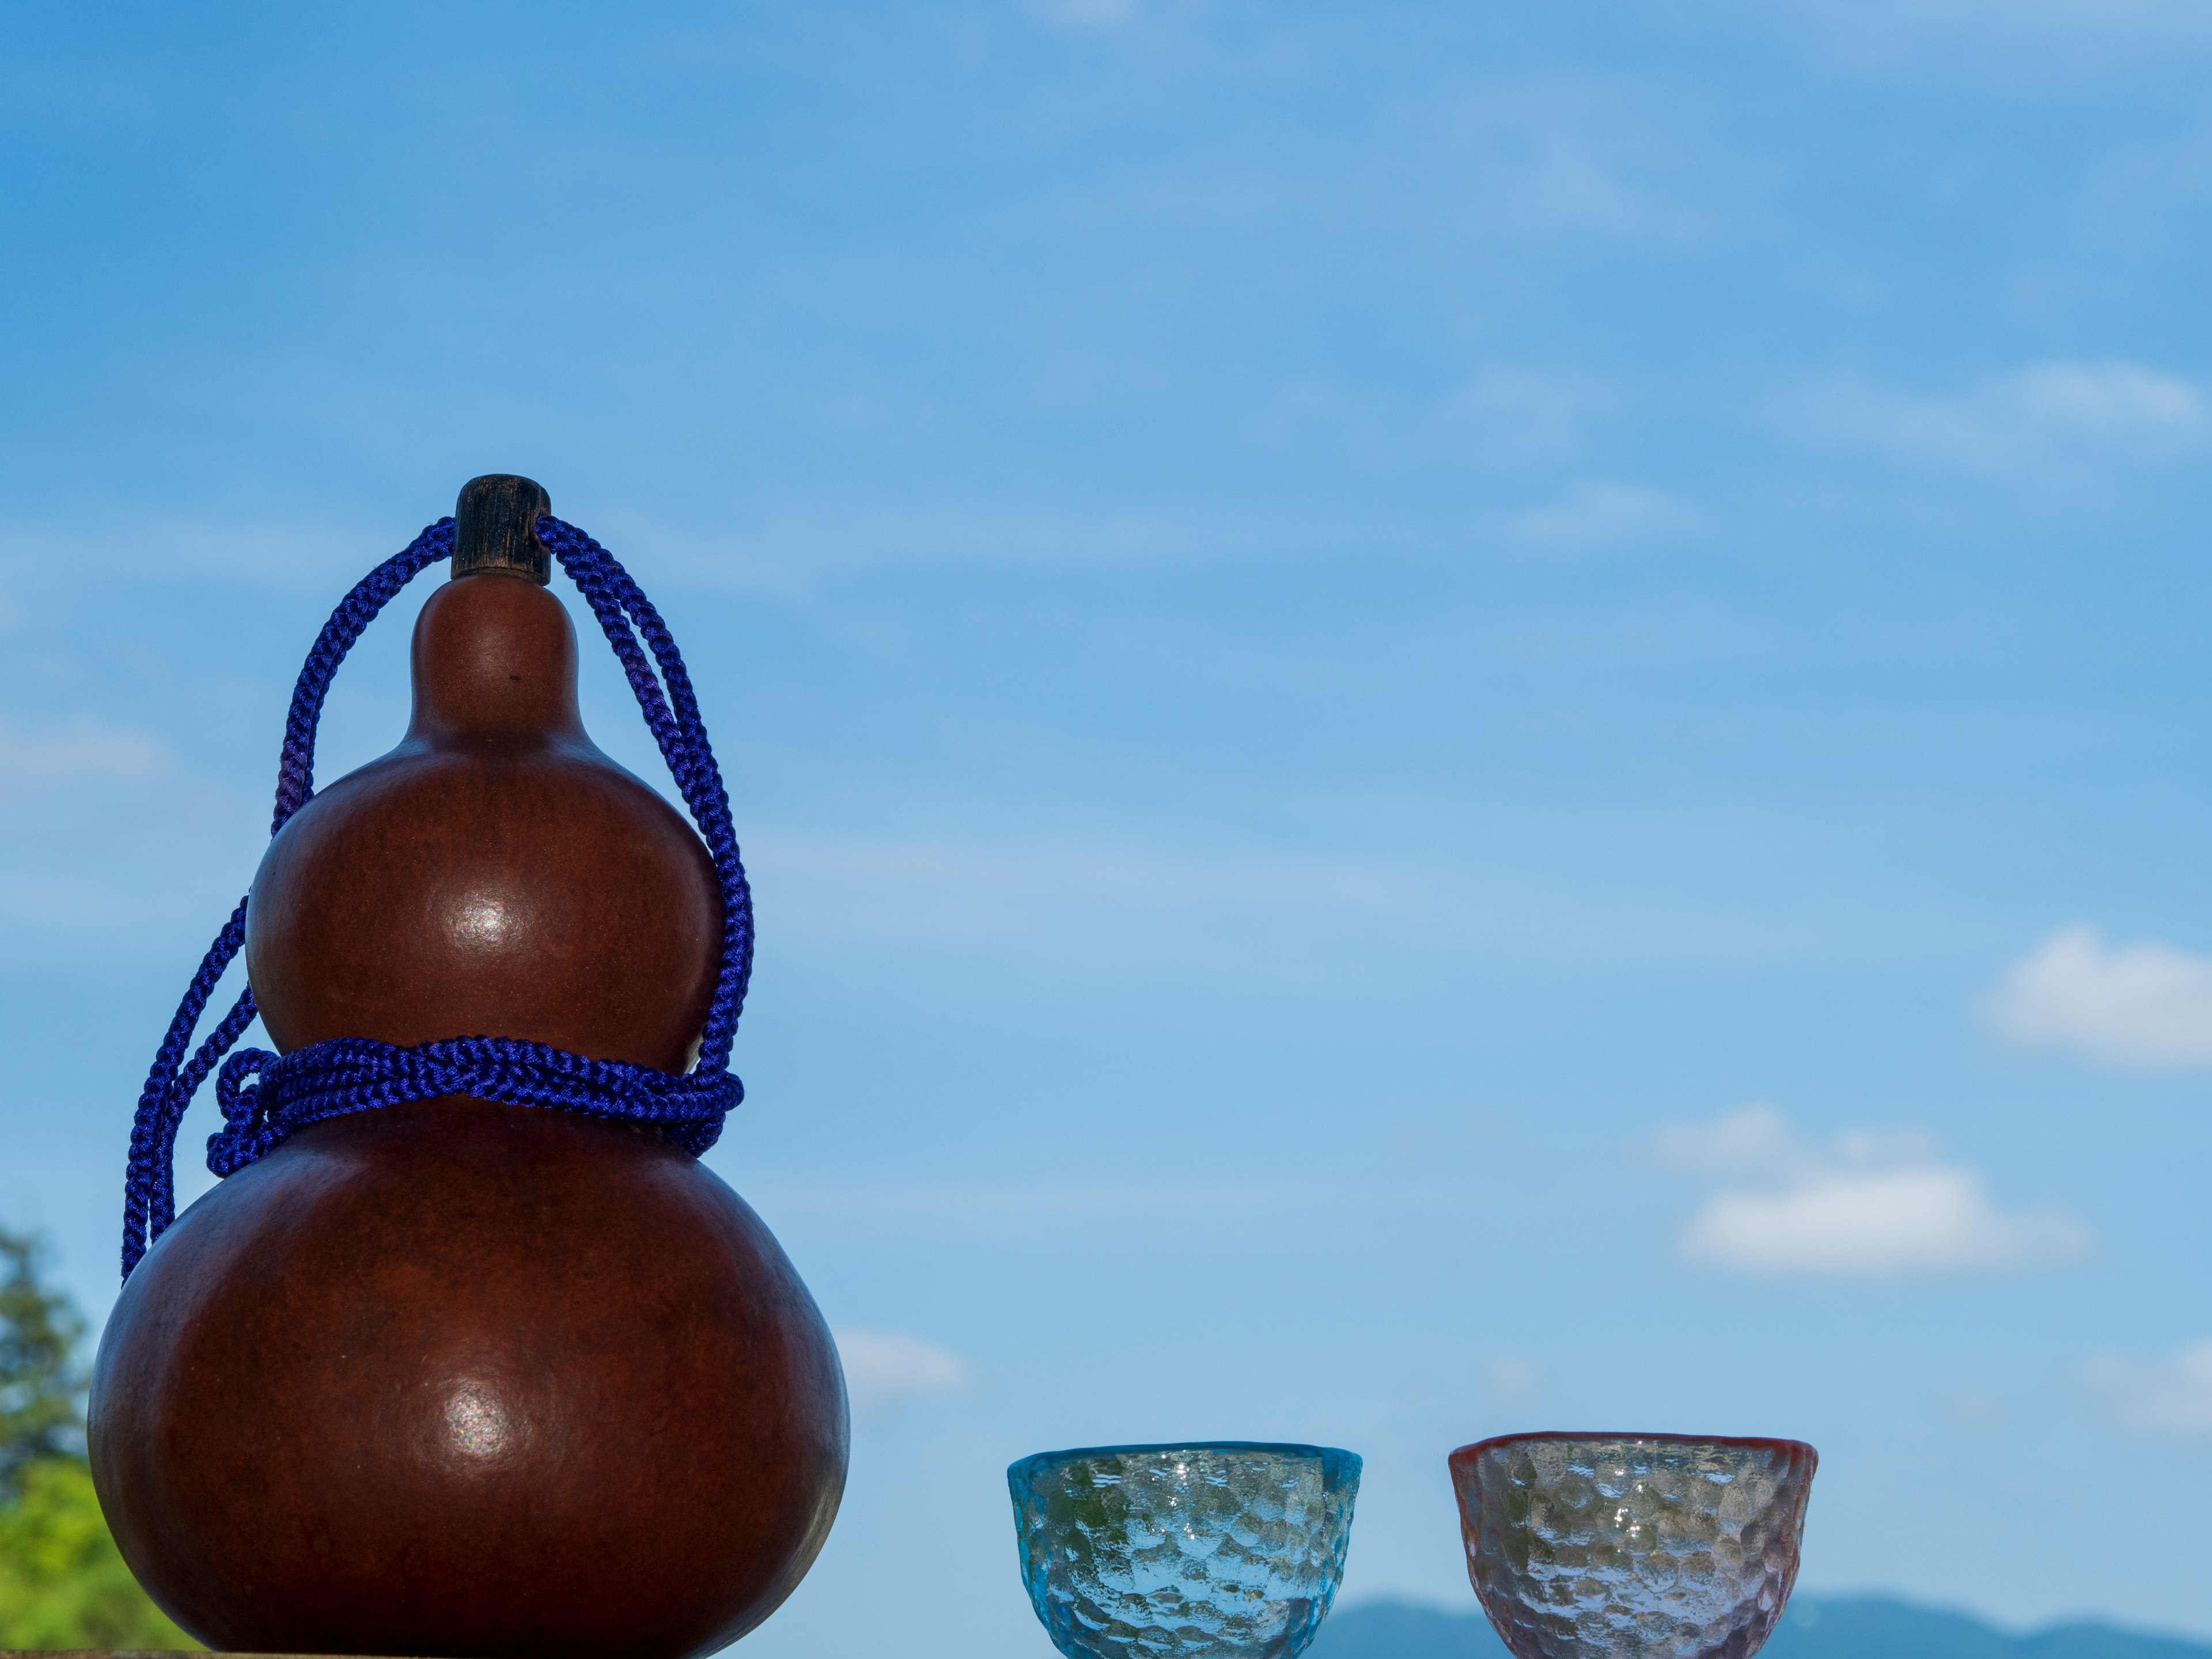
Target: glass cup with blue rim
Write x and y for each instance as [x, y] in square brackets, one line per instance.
[1231, 1550]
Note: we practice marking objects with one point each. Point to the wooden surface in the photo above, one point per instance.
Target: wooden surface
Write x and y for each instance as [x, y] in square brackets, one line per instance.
[460, 1378]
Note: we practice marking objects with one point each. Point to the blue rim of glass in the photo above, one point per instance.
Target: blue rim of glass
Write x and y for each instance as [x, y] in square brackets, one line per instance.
[1335, 1459]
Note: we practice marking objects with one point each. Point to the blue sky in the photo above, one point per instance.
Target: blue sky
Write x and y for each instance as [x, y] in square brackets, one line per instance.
[1449, 718]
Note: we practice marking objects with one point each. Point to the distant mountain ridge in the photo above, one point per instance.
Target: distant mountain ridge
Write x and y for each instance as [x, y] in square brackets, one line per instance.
[1815, 1628]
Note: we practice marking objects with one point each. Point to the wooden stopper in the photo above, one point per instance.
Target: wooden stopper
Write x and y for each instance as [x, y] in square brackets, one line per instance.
[495, 527]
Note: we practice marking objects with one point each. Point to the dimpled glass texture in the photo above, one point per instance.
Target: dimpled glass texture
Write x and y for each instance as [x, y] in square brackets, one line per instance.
[1162, 1551]
[1646, 1547]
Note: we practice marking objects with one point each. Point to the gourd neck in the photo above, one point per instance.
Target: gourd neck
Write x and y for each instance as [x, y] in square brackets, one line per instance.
[494, 660]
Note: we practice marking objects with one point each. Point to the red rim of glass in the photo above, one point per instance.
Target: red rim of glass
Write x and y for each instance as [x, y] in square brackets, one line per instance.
[1788, 1447]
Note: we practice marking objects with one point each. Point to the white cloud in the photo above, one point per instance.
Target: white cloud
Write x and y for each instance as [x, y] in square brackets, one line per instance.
[2169, 1396]
[2033, 414]
[883, 1368]
[2128, 1005]
[1928, 1220]
[1863, 1205]
[1594, 514]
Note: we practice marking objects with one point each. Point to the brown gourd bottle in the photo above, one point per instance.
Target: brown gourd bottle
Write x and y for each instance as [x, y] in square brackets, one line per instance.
[454, 1378]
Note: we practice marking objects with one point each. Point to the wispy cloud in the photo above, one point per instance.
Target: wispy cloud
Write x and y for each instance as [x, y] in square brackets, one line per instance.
[106, 836]
[1080, 906]
[2126, 1005]
[1511, 1380]
[883, 1368]
[1046, 905]
[1756, 1144]
[2061, 36]
[1527, 411]
[1861, 1204]
[1975, 1410]
[2165, 1396]
[38, 757]
[1581, 159]
[2110, 396]
[991, 1205]
[1082, 13]
[2034, 414]
[1593, 514]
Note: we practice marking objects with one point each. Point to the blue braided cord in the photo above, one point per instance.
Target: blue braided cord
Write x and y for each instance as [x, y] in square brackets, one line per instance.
[149, 1184]
[265, 1098]
[619, 603]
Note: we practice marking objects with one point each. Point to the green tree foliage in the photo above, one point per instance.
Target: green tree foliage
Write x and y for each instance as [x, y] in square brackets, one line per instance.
[41, 1384]
[63, 1582]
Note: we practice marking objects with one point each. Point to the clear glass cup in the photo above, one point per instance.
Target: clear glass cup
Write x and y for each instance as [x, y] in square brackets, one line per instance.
[1230, 1551]
[1640, 1545]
